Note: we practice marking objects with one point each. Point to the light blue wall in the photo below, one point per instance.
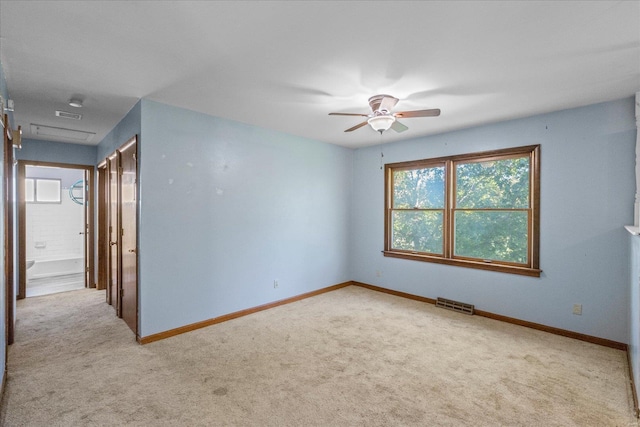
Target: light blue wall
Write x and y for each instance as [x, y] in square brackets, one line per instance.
[57, 152]
[587, 192]
[126, 129]
[226, 208]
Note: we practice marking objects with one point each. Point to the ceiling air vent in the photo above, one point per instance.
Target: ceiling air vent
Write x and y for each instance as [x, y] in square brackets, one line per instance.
[50, 132]
[68, 115]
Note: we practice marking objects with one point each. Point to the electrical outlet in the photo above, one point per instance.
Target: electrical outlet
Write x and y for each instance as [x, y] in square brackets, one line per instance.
[275, 283]
[577, 309]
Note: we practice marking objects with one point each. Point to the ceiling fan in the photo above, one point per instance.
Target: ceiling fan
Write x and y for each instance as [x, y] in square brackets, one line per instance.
[381, 117]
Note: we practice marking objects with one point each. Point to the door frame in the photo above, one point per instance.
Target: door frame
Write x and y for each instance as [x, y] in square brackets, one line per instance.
[9, 229]
[114, 282]
[22, 221]
[103, 230]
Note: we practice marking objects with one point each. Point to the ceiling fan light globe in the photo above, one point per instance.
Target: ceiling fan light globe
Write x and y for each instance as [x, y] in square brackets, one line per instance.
[381, 123]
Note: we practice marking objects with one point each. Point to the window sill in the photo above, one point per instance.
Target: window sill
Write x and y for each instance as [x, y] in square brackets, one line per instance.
[633, 230]
[523, 271]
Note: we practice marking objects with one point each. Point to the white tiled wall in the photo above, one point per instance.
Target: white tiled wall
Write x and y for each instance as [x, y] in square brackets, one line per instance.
[57, 227]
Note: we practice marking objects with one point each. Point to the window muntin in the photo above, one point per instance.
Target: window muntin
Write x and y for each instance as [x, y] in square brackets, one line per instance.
[478, 210]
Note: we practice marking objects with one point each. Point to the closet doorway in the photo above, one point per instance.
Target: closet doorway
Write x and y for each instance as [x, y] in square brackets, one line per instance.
[118, 230]
[55, 227]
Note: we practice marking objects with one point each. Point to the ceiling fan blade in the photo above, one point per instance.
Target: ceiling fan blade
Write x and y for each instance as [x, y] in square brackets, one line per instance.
[418, 113]
[382, 102]
[398, 127]
[349, 114]
[358, 126]
[388, 102]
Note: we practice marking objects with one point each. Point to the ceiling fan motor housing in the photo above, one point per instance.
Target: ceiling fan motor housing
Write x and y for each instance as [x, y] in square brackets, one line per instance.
[382, 103]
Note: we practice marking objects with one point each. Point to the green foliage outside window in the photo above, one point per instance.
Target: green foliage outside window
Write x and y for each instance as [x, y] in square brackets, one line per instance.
[500, 233]
[493, 184]
[419, 188]
[420, 195]
[419, 231]
[491, 235]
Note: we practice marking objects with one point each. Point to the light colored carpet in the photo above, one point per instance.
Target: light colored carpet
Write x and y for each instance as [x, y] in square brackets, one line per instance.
[351, 357]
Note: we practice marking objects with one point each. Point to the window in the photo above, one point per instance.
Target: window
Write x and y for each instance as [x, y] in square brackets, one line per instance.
[477, 210]
[40, 190]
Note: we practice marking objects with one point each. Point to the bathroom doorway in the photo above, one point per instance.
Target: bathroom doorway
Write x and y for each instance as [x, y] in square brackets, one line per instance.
[55, 228]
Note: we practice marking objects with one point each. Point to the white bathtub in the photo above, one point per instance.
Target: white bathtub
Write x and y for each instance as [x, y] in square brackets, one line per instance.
[51, 267]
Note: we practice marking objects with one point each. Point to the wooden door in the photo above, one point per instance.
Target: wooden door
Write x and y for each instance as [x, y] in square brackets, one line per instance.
[8, 229]
[114, 238]
[128, 232]
[89, 188]
[88, 280]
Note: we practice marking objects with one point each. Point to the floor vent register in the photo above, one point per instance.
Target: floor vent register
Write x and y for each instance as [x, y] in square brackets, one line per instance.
[454, 305]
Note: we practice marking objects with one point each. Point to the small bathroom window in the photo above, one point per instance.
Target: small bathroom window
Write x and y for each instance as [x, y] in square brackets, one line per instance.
[41, 190]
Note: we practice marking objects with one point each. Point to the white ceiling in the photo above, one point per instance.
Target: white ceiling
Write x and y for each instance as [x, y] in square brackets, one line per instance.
[285, 65]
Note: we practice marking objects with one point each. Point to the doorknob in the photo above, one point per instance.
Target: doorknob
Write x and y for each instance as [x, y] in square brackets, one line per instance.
[133, 251]
[113, 243]
[81, 232]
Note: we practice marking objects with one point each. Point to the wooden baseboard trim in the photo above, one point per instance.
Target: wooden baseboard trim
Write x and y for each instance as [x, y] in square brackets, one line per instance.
[532, 325]
[396, 293]
[636, 410]
[550, 329]
[557, 331]
[203, 324]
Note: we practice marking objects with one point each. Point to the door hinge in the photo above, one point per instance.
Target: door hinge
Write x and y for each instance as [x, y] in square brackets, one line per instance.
[121, 292]
[122, 231]
[120, 170]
